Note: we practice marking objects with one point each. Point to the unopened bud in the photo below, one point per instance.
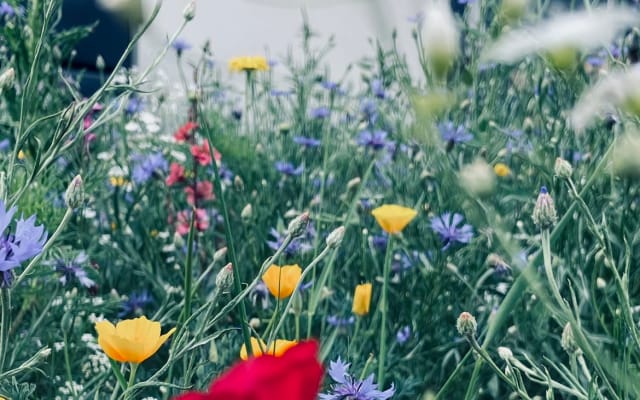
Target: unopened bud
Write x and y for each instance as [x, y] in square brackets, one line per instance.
[601, 283]
[213, 352]
[246, 212]
[67, 322]
[467, 325]
[297, 304]
[254, 323]
[6, 79]
[544, 212]
[224, 279]
[505, 353]
[568, 341]
[178, 240]
[335, 238]
[563, 168]
[298, 225]
[219, 254]
[74, 196]
[100, 64]
[513, 10]
[238, 183]
[189, 11]
[353, 183]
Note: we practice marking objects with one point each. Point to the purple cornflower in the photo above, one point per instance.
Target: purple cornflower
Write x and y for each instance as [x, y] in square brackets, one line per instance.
[403, 334]
[377, 87]
[453, 134]
[134, 106]
[517, 142]
[375, 140]
[73, 270]
[348, 387]
[340, 322]
[180, 45]
[320, 112]
[306, 141]
[6, 9]
[5, 145]
[369, 109]
[379, 242]
[330, 85]
[135, 304]
[147, 166]
[260, 295]
[297, 245]
[226, 175]
[447, 226]
[27, 242]
[288, 169]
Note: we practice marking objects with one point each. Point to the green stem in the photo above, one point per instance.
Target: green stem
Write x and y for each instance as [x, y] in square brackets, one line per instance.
[118, 374]
[384, 308]
[67, 364]
[548, 269]
[5, 306]
[188, 269]
[132, 379]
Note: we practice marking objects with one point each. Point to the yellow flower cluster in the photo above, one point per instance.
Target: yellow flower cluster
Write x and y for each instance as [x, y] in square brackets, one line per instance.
[254, 63]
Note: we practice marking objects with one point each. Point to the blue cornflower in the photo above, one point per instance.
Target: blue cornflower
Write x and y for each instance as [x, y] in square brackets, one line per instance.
[377, 87]
[226, 175]
[73, 270]
[447, 226]
[297, 245]
[375, 140]
[260, 295]
[348, 387]
[280, 93]
[27, 242]
[288, 169]
[180, 45]
[148, 166]
[320, 112]
[379, 242]
[451, 133]
[340, 322]
[306, 141]
[5, 145]
[403, 334]
[330, 85]
[135, 304]
[6, 9]
[369, 109]
[518, 142]
[134, 106]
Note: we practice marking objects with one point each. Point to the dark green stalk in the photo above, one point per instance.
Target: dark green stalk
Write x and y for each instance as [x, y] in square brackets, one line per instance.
[188, 268]
[384, 308]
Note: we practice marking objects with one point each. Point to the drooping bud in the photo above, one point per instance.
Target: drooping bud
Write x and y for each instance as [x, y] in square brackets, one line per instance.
[568, 341]
[224, 279]
[563, 168]
[467, 325]
[219, 254]
[353, 183]
[189, 11]
[544, 212]
[298, 225]
[335, 238]
[74, 196]
[478, 178]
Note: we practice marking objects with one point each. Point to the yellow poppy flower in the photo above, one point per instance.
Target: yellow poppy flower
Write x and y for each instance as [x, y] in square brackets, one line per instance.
[277, 348]
[132, 340]
[362, 299]
[255, 63]
[393, 218]
[502, 170]
[281, 281]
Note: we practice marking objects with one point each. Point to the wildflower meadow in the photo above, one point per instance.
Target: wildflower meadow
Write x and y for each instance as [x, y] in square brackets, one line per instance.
[269, 227]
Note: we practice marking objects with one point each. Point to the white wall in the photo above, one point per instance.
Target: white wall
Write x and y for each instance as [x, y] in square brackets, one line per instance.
[270, 27]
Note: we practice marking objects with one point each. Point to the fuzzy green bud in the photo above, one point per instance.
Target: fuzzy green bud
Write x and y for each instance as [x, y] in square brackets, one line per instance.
[219, 254]
[298, 225]
[568, 341]
[544, 212]
[224, 279]
[563, 168]
[189, 11]
[466, 324]
[74, 196]
[335, 238]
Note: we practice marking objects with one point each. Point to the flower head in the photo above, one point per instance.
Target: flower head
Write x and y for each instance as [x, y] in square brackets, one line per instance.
[27, 242]
[131, 340]
[148, 166]
[362, 299]
[184, 221]
[320, 112]
[260, 295]
[282, 281]
[375, 140]
[180, 45]
[253, 63]
[307, 142]
[135, 304]
[288, 169]
[453, 134]
[403, 335]
[176, 174]
[73, 270]
[202, 155]
[185, 132]
[348, 387]
[203, 191]
[393, 218]
[259, 348]
[544, 212]
[448, 227]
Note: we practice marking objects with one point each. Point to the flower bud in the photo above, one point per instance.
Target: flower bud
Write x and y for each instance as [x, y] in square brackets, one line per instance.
[255, 323]
[6, 79]
[544, 212]
[224, 279]
[353, 183]
[189, 11]
[625, 160]
[562, 168]
[298, 225]
[478, 178]
[505, 353]
[335, 238]
[441, 37]
[219, 254]
[213, 352]
[601, 283]
[74, 196]
[238, 183]
[467, 325]
[246, 212]
[100, 64]
[568, 341]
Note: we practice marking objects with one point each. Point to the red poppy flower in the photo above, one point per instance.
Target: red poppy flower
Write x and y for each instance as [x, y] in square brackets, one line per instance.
[203, 191]
[176, 174]
[184, 132]
[295, 375]
[184, 221]
[202, 155]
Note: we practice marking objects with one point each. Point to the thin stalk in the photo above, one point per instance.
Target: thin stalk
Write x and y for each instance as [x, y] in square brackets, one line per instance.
[132, 379]
[5, 306]
[546, 255]
[118, 374]
[384, 309]
[67, 364]
[188, 268]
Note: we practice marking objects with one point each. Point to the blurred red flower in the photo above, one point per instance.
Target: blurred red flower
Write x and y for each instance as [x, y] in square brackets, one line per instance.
[184, 132]
[201, 154]
[295, 375]
[203, 191]
[176, 174]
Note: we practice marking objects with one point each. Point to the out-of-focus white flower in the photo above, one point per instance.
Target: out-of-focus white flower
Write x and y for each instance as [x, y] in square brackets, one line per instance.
[129, 10]
[441, 35]
[619, 89]
[583, 30]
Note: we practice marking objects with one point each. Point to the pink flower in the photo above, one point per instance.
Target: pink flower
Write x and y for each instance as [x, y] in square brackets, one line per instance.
[202, 155]
[204, 191]
[185, 131]
[176, 174]
[184, 221]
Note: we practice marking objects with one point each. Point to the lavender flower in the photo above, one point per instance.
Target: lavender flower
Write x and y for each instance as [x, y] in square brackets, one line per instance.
[306, 141]
[260, 295]
[369, 109]
[27, 242]
[447, 226]
[6, 10]
[5, 145]
[135, 304]
[134, 106]
[320, 112]
[348, 387]
[148, 166]
[453, 134]
[180, 45]
[288, 169]
[297, 245]
[403, 335]
[377, 87]
[517, 142]
[375, 140]
[73, 270]
[340, 322]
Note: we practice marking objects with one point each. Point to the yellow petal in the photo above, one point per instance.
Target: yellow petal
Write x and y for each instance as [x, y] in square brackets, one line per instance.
[256, 347]
[129, 350]
[393, 218]
[282, 281]
[362, 299]
[152, 349]
[280, 346]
